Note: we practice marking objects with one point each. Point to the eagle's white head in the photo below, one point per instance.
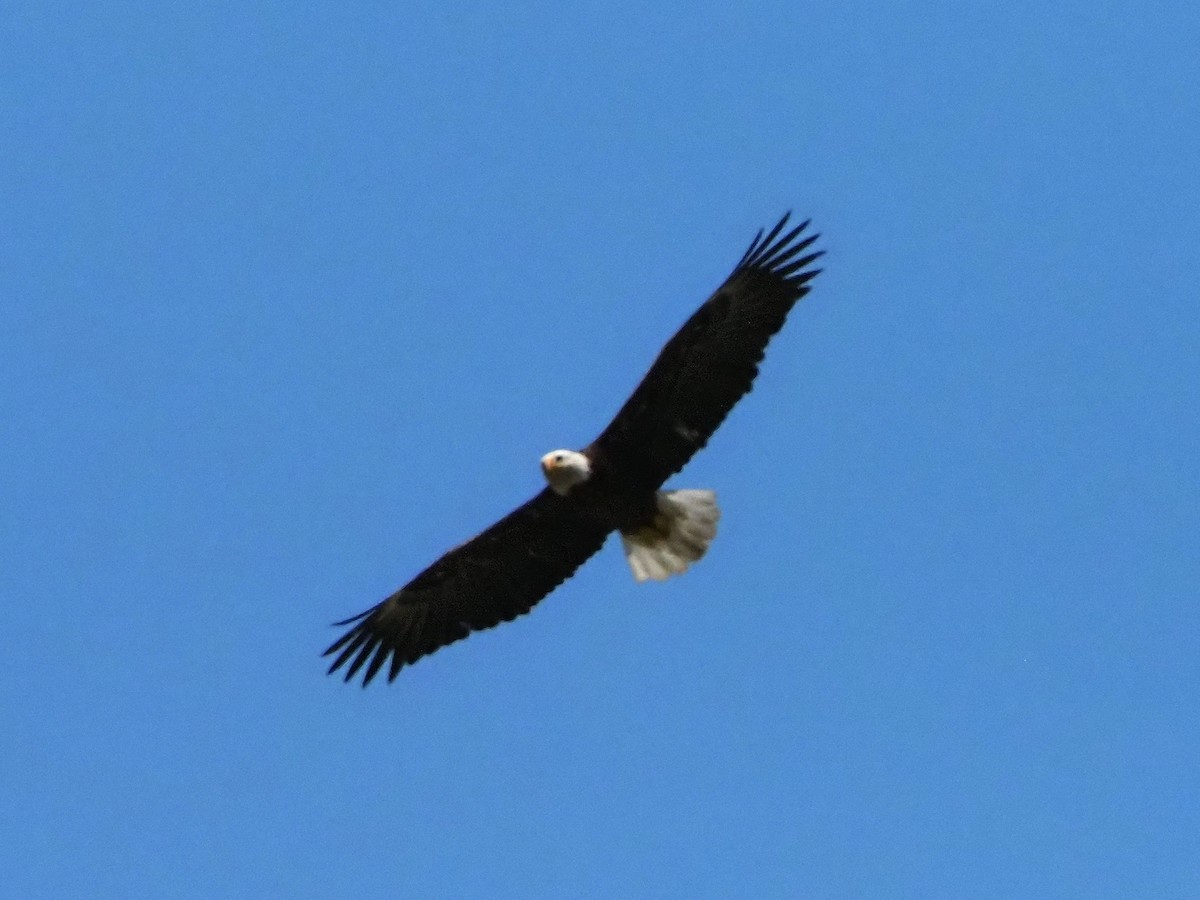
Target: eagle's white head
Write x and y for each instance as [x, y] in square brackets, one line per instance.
[564, 469]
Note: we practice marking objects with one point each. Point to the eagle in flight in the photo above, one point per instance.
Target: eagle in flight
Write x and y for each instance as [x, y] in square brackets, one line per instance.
[613, 484]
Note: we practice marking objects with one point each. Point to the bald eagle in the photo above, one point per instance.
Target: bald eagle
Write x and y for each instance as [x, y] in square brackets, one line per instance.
[613, 484]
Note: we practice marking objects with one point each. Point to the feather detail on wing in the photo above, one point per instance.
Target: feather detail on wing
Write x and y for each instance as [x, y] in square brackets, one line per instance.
[492, 578]
[711, 362]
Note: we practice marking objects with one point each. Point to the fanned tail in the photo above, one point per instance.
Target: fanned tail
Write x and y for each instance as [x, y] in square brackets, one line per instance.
[681, 534]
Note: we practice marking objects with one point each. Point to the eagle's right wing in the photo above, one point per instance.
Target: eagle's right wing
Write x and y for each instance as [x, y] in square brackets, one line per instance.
[492, 578]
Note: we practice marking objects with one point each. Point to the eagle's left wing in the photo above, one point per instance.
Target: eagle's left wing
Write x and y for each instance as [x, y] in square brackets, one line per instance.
[711, 361]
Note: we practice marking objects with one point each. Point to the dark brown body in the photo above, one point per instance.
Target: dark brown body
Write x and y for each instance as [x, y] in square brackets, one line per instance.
[611, 500]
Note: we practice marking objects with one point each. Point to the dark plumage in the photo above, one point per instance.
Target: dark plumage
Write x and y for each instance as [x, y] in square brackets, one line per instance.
[699, 376]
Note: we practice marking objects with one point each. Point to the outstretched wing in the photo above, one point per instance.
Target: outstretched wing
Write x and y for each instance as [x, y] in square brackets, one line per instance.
[492, 578]
[711, 361]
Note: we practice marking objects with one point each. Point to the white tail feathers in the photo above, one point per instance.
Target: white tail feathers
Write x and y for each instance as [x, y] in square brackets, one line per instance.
[684, 527]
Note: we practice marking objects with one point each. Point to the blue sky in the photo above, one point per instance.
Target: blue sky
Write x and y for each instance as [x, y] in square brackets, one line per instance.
[296, 296]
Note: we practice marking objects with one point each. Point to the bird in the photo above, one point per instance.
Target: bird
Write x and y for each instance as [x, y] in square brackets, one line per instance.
[614, 484]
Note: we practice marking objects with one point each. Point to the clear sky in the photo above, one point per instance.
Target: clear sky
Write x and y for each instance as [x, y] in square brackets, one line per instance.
[295, 296]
